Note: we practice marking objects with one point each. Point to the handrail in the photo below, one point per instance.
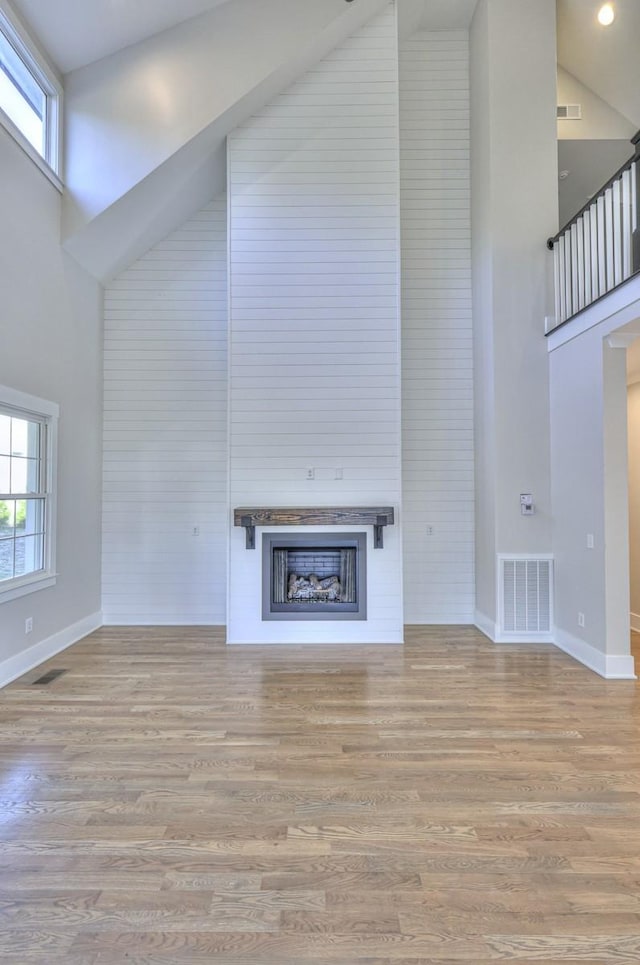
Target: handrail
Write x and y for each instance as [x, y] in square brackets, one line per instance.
[599, 248]
[594, 197]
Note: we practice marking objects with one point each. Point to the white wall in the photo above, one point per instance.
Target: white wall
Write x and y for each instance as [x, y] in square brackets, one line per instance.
[314, 351]
[589, 490]
[633, 423]
[51, 335]
[633, 443]
[165, 431]
[126, 113]
[578, 482]
[143, 124]
[514, 209]
[482, 300]
[599, 119]
[437, 362]
[590, 149]
[590, 480]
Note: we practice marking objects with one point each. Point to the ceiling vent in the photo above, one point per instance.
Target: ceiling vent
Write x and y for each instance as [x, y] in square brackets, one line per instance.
[526, 596]
[569, 112]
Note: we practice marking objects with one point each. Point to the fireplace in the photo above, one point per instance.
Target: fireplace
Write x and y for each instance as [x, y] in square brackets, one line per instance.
[352, 551]
[314, 576]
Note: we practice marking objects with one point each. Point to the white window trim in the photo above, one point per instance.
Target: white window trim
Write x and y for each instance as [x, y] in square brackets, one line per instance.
[49, 81]
[31, 405]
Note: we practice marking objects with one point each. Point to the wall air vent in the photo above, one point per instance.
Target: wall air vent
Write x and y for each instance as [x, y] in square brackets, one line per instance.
[526, 596]
[569, 112]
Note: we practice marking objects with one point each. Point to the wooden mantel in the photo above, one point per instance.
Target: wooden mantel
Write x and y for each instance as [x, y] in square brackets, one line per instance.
[376, 516]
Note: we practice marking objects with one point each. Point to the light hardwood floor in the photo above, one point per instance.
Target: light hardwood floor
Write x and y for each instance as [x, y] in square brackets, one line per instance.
[168, 800]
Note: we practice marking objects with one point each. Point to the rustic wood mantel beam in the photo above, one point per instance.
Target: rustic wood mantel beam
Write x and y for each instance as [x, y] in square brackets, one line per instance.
[376, 516]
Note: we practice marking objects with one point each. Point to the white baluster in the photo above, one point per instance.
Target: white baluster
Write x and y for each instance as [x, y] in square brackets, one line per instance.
[579, 258]
[609, 239]
[561, 283]
[626, 224]
[586, 222]
[617, 232]
[595, 280]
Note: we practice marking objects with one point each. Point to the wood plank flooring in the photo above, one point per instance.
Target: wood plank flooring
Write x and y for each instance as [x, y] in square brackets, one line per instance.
[169, 800]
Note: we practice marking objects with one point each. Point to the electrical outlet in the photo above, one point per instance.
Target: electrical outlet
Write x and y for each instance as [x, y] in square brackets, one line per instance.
[196, 531]
[339, 474]
[28, 625]
[590, 541]
[429, 530]
[311, 473]
[581, 619]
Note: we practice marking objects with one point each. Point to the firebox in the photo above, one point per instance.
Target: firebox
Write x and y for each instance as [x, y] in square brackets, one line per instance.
[314, 576]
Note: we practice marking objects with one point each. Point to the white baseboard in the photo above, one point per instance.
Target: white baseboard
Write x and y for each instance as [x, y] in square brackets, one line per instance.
[22, 663]
[464, 618]
[635, 622]
[152, 621]
[392, 642]
[612, 667]
[524, 638]
[491, 630]
[485, 625]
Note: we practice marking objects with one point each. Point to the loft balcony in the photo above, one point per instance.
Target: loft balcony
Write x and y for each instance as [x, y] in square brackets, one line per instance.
[598, 251]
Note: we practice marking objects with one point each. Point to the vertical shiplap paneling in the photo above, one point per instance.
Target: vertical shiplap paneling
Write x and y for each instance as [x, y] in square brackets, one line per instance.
[314, 351]
[165, 430]
[437, 332]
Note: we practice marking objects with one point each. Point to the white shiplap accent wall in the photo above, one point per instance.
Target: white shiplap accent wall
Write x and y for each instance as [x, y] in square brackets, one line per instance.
[165, 431]
[437, 332]
[314, 329]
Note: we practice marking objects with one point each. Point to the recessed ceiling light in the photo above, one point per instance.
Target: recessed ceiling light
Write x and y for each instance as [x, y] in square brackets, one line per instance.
[606, 14]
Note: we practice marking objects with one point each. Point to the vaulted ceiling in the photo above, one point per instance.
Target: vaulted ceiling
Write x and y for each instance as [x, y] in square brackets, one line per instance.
[605, 59]
[78, 32]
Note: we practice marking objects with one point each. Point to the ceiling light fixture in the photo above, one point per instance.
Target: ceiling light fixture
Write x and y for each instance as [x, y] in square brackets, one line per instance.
[606, 14]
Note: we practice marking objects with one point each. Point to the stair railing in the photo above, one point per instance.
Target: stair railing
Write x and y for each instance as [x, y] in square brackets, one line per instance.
[599, 249]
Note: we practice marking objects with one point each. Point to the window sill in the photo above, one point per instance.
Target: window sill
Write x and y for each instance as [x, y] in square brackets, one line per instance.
[29, 584]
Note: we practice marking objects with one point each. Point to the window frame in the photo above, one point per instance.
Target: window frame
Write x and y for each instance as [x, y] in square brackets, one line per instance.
[47, 79]
[22, 405]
